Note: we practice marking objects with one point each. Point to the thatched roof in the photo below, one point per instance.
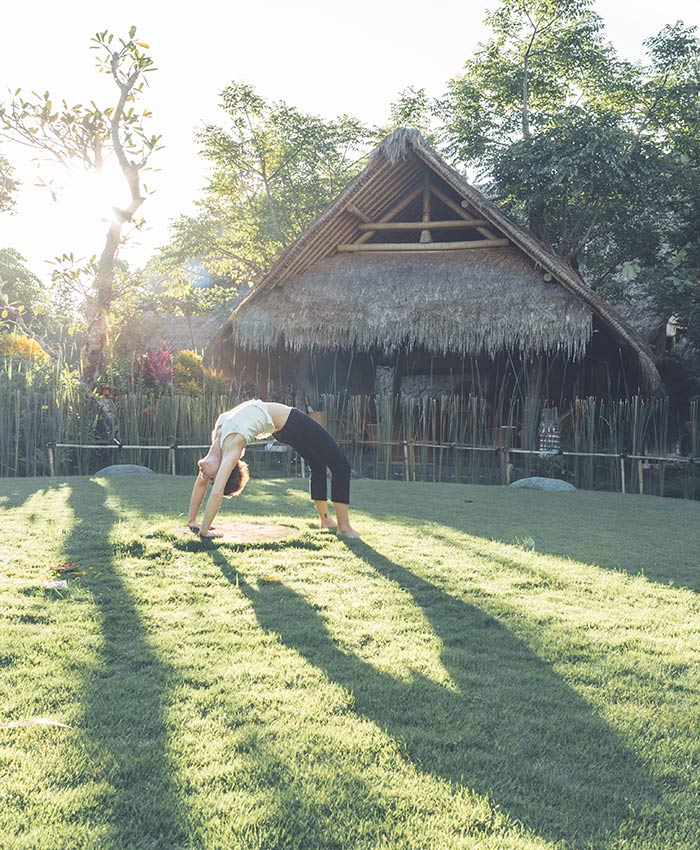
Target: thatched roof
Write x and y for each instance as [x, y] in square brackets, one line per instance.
[519, 297]
[462, 301]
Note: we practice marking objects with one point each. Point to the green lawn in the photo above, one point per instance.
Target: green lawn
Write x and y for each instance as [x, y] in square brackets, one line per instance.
[487, 668]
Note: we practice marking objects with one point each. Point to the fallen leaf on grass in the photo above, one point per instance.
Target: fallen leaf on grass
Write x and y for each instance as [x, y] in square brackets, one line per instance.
[61, 584]
[34, 721]
[66, 567]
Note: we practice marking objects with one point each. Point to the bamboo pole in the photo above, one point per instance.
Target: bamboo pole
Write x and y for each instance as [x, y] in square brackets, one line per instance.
[423, 246]
[447, 224]
[395, 210]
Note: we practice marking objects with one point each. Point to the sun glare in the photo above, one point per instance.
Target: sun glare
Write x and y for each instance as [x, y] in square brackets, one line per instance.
[83, 206]
[88, 196]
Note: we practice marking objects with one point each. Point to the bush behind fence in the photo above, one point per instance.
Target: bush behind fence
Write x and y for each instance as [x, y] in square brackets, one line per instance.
[451, 438]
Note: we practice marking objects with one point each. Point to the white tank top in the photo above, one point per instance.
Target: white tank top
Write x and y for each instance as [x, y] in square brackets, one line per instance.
[249, 419]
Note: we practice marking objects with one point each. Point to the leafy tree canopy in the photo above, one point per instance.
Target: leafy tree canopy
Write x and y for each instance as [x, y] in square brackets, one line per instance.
[599, 156]
[273, 169]
[23, 298]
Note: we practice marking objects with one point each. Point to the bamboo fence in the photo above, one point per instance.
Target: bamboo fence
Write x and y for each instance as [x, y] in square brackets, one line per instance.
[631, 445]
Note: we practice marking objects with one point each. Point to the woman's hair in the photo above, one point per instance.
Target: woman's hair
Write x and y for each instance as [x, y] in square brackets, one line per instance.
[237, 479]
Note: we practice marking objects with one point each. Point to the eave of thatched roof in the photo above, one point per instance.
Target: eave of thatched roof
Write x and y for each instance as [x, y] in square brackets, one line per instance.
[459, 301]
[394, 169]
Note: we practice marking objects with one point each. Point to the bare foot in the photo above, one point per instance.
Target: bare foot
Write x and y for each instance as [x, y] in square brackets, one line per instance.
[329, 524]
[195, 526]
[348, 532]
[211, 534]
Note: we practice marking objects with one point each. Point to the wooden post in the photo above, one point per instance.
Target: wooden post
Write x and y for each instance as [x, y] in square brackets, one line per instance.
[405, 461]
[507, 468]
[52, 467]
[623, 488]
[172, 460]
[425, 234]
[640, 472]
[18, 405]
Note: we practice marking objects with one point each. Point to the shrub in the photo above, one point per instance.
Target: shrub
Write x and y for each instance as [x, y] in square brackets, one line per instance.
[156, 366]
[188, 372]
[18, 345]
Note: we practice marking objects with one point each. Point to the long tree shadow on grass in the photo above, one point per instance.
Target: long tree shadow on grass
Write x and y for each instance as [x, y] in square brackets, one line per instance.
[511, 729]
[123, 723]
[15, 492]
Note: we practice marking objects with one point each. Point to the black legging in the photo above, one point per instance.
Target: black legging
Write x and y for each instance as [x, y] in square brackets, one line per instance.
[321, 452]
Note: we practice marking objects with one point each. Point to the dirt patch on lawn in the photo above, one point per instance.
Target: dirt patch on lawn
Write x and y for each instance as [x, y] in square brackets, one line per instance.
[252, 532]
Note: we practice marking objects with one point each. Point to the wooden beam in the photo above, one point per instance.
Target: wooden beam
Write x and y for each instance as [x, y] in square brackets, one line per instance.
[484, 231]
[351, 208]
[447, 224]
[424, 246]
[395, 210]
[487, 232]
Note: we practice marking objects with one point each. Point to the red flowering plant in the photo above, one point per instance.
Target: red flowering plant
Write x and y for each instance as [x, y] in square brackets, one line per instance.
[156, 367]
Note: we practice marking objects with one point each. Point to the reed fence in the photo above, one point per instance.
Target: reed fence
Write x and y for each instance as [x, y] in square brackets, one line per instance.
[629, 445]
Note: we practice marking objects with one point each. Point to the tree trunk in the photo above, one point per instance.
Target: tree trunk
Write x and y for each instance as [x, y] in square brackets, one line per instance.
[92, 355]
[538, 226]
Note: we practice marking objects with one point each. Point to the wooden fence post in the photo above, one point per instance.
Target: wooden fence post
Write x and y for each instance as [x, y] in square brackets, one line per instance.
[623, 487]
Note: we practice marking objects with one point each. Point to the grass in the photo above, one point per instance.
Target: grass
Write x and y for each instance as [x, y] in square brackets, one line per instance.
[487, 668]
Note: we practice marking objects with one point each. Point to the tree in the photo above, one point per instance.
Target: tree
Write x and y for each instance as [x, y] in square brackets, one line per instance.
[8, 185]
[274, 169]
[579, 143]
[88, 134]
[23, 298]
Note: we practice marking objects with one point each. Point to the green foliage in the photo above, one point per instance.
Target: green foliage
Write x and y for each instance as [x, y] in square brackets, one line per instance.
[274, 169]
[192, 377]
[22, 291]
[413, 108]
[8, 185]
[599, 156]
[23, 347]
[77, 132]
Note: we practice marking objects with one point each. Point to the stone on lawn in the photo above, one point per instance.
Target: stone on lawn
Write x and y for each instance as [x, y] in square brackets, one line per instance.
[124, 469]
[537, 483]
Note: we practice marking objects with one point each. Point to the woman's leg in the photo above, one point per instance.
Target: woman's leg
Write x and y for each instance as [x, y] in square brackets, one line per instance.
[321, 451]
[324, 514]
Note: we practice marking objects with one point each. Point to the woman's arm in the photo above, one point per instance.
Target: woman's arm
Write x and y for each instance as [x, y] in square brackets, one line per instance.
[196, 499]
[233, 449]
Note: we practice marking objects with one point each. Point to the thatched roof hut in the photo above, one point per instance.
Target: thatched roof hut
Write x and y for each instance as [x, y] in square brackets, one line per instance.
[410, 254]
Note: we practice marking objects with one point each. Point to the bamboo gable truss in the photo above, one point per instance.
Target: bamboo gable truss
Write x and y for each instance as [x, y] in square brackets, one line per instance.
[410, 254]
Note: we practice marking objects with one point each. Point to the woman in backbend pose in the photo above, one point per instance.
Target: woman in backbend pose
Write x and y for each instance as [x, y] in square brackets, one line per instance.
[223, 467]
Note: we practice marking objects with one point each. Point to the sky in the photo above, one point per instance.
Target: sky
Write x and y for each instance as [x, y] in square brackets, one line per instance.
[322, 57]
